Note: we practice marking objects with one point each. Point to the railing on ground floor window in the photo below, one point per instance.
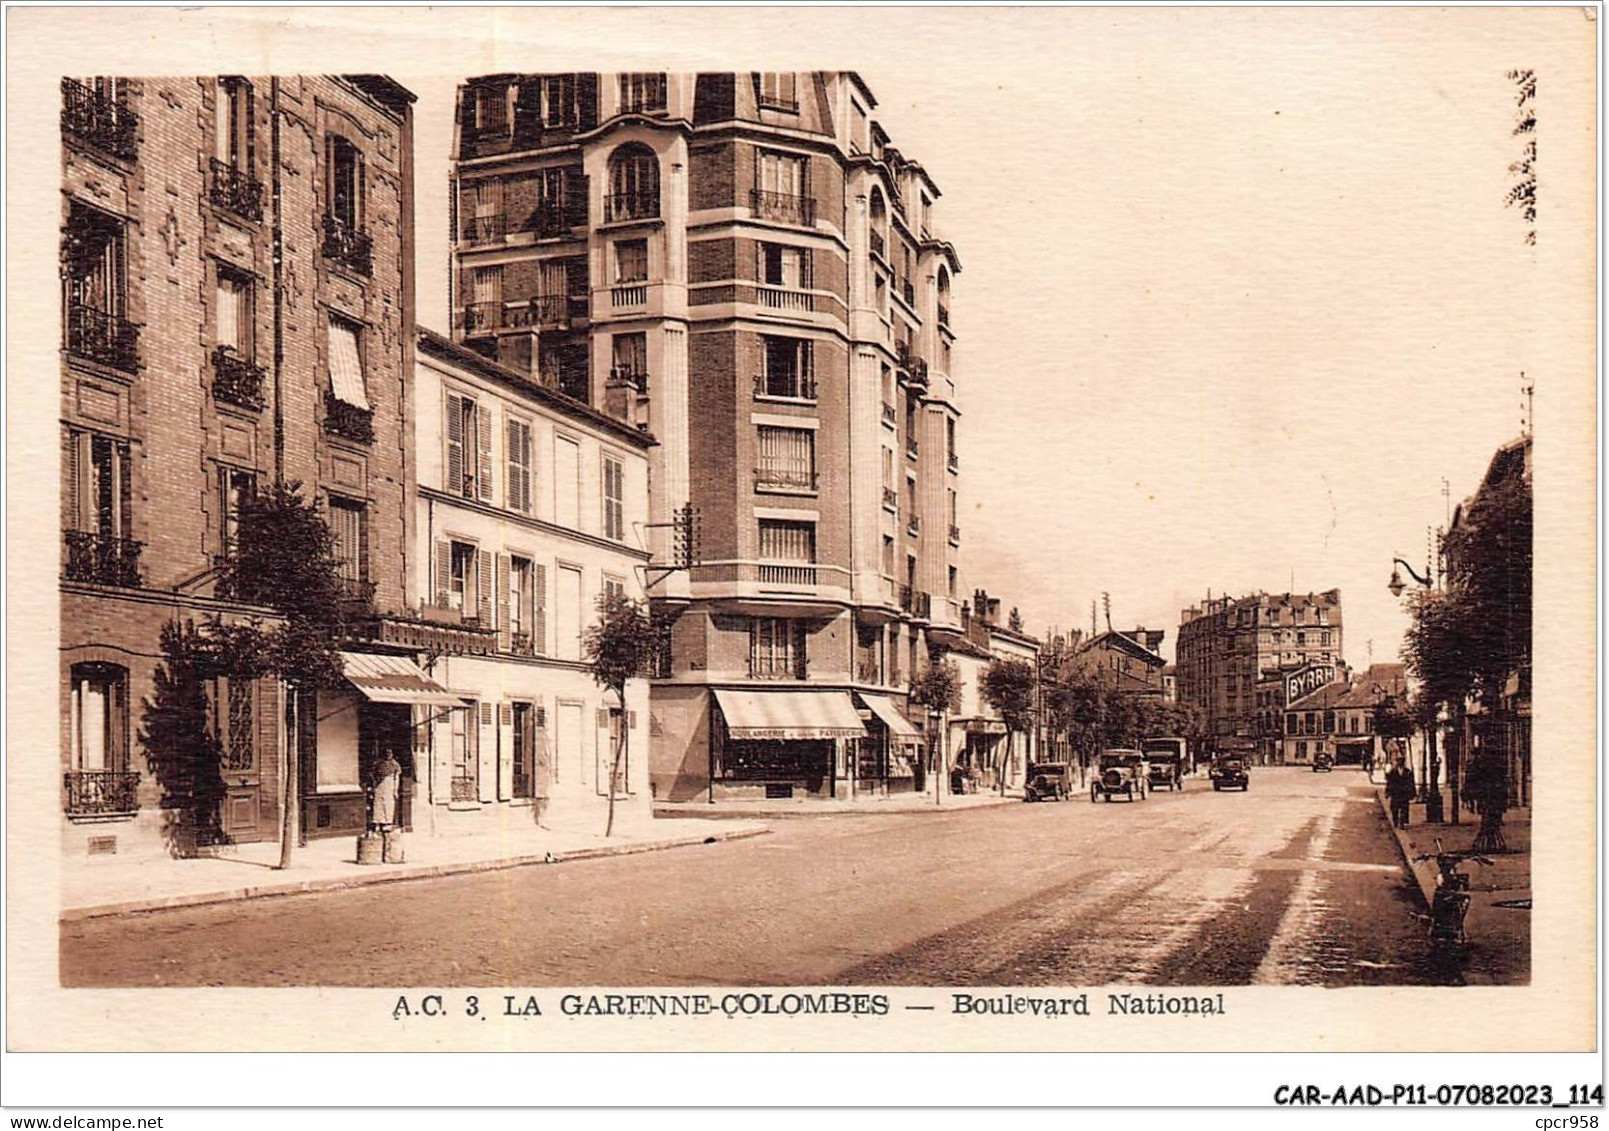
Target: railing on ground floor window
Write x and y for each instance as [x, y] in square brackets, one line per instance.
[102, 559]
[101, 793]
[778, 667]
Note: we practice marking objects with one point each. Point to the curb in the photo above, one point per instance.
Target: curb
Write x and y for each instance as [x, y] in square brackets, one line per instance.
[427, 872]
[1427, 886]
[715, 813]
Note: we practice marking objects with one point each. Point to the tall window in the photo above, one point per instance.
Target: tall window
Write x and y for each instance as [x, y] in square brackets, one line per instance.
[888, 556]
[469, 449]
[465, 754]
[460, 590]
[346, 363]
[642, 94]
[614, 499]
[97, 510]
[523, 719]
[343, 167]
[782, 265]
[485, 218]
[631, 261]
[787, 458]
[559, 102]
[954, 584]
[97, 288]
[232, 137]
[566, 482]
[776, 648]
[235, 487]
[777, 90]
[519, 604]
[789, 368]
[630, 358]
[782, 188]
[518, 444]
[633, 183]
[491, 108]
[234, 314]
[782, 541]
[98, 718]
[348, 518]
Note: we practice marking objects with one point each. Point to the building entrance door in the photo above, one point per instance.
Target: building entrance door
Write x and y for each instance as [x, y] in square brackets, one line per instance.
[571, 765]
[239, 761]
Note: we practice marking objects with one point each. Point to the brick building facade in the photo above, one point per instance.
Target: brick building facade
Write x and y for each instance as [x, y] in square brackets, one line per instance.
[744, 266]
[237, 281]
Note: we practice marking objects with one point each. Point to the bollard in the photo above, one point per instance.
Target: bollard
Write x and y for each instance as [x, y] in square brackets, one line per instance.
[394, 851]
[370, 848]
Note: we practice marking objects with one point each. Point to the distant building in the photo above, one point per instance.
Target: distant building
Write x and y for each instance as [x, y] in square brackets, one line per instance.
[978, 739]
[1127, 663]
[1338, 718]
[1227, 645]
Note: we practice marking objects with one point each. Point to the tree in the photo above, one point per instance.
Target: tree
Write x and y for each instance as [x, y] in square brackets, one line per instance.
[1008, 687]
[938, 689]
[622, 646]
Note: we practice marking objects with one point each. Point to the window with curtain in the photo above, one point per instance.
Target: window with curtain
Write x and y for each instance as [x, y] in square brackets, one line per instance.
[98, 718]
[783, 174]
[346, 522]
[633, 183]
[234, 313]
[346, 363]
[631, 261]
[776, 647]
[95, 262]
[630, 354]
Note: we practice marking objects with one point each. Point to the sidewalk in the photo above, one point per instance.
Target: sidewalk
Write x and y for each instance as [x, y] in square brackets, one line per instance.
[1499, 949]
[92, 888]
[863, 806]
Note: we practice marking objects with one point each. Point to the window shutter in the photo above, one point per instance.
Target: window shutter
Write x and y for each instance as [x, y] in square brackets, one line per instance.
[71, 481]
[807, 273]
[444, 572]
[603, 718]
[539, 610]
[504, 639]
[586, 93]
[575, 197]
[455, 444]
[631, 720]
[505, 752]
[483, 421]
[483, 591]
[486, 754]
[511, 478]
[361, 517]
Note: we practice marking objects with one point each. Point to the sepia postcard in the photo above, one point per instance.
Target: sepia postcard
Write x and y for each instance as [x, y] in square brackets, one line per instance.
[1026, 529]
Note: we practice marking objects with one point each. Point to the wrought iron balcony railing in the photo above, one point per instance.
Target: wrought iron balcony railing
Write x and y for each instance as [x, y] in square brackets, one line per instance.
[785, 478]
[236, 190]
[890, 416]
[237, 381]
[631, 206]
[784, 207]
[480, 229]
[891, 500]
[520, 644]
[101, 793]
[349, 246]
[102, 559]
[107, 339]
[789, 386]
[98, 119]
[347, 420]
[778, 667]
[629, 376]
[483, 317]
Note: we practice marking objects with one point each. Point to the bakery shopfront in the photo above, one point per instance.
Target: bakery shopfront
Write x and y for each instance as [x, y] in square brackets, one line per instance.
[779, 744]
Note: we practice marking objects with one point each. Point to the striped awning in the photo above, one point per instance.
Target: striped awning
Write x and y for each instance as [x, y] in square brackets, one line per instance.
[898, 726]
[797, 715]
[346, 367]
[394, 679]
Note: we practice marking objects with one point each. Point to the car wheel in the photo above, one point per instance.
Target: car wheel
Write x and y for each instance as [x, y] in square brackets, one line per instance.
[1217, 788]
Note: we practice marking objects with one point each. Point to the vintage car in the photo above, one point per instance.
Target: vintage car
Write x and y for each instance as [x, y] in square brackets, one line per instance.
[1323, 762]
[1119, 772]
[1048, 781]
[1165, 767]
[1229, 773]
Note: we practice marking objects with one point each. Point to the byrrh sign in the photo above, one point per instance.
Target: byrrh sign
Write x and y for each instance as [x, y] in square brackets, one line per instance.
[1308, 680]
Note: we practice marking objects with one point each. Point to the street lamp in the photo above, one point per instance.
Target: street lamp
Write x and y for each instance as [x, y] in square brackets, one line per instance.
[1396, 584]
[1429, 792]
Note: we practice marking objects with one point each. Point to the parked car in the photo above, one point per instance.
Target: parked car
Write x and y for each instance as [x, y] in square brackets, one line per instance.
[1323, 762]
[1229, 773]
[1048, 781]
[1119, 772]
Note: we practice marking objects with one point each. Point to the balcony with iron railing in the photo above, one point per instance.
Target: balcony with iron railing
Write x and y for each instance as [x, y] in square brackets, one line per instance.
[783, 207]
[621, 206]
[348, 421]
[106, 339]
[236, 190]
[521, 644]
[101, 793]
[890, 500]
[785, 477]
[484, 228]
[101, 559]
[347, 245]
[779, 667]
[483, 318]
[236, 380]
[547, 312]
[629, 376]
[785, 386]
[98, 119]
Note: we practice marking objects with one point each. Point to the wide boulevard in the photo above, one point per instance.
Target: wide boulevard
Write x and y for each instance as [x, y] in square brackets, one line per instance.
[1297, 881]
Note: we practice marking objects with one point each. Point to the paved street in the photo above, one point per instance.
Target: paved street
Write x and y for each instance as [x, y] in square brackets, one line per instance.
[1294, 882]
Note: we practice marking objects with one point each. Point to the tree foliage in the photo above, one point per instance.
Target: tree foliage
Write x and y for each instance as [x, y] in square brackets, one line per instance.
[620, 647]
[939, 687]
[1008, 687]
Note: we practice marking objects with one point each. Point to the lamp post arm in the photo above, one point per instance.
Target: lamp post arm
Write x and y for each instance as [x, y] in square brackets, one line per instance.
[1413, 573]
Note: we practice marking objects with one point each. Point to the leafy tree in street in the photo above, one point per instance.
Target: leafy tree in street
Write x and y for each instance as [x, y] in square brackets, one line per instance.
[622, 646]
[1008, 687]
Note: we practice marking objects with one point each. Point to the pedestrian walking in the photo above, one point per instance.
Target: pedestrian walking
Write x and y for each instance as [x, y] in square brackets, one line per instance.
[1399, 792]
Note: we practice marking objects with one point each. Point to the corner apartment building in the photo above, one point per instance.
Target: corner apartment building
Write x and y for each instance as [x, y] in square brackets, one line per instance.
[1227, 645]
[530, 507]
[236, 281]
[746, 267]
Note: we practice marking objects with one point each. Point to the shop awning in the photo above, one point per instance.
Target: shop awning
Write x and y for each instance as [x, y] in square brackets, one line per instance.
[898, 726]
[794, 715]
[985, 726]
[394, 679]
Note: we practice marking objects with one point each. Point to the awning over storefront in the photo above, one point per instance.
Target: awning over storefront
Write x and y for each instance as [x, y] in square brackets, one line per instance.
[797, 715]
[898, 726]
[394, 679]
[985, 726]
